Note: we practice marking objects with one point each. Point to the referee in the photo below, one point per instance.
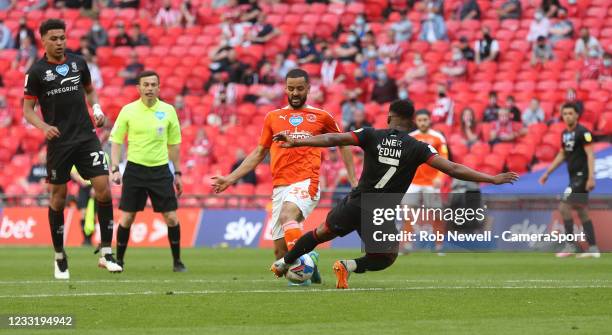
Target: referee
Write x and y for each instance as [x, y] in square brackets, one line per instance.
[154, 135]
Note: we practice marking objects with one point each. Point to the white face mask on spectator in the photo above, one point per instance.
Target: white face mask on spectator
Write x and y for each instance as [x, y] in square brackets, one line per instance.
[304, 41]
[607, 62]
[372, 54]
[539, 16]
[457, 56]
[593, 53]
[360, 20]
[351, 39]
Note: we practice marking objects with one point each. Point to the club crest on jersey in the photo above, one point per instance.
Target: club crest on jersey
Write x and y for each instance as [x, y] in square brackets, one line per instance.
[160, 115]
[296, 120]
[49, 76]
[74, 67]
[311, 118]
[62, 69]
[160, 131]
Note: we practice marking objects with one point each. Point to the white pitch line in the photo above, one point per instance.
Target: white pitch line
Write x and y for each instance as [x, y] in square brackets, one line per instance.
[376, 289]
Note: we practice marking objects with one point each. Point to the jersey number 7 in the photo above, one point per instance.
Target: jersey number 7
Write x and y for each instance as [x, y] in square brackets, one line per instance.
[392, 169]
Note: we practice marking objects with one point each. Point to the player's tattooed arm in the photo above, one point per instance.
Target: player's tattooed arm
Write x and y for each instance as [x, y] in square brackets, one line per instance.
[324, 140]
[463, 172]
[553, 166]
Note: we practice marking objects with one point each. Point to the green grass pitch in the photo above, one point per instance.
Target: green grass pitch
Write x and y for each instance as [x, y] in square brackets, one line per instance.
[231, 291]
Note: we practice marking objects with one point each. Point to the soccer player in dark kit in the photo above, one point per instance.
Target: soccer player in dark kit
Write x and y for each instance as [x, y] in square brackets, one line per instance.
[577, 152]
[60, 83]
[391, 159]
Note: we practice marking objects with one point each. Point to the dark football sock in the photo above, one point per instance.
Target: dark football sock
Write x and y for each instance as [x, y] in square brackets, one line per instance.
[589, 232]
[174, 237]
[123, 236]
[374, 262]
[304, 245]
[569, 226]
[56, 222]
[105, 219]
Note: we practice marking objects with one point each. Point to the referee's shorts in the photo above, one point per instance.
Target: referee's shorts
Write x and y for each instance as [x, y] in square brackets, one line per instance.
[140, 182]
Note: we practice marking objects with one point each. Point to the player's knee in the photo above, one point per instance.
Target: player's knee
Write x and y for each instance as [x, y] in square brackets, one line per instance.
[58, 200]
[171, 219]
[583, 215]
[280, 249]
[127, 219]
[104, 195]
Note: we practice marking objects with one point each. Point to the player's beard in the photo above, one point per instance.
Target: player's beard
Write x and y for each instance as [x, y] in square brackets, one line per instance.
[300, 105]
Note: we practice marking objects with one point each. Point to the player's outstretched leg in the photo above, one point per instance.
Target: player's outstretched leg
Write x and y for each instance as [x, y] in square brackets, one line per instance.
[56, 223]
[105, 220]
[304, 245]
[369, 262]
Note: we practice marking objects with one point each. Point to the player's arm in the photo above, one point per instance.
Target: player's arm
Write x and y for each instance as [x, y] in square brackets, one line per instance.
[92, 99]
[324, 140]
[30, 115]
[588, 149]
[463, 172]
[174, 154]
[220, 183]
[553, 166]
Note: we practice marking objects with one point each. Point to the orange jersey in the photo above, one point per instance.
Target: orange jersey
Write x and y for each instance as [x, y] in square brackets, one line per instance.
[296, 164]
[425, 174]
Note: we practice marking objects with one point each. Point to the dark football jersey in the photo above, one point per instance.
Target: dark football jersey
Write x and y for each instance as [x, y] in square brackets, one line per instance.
[60, 91]
[573, 147]
[391, 158]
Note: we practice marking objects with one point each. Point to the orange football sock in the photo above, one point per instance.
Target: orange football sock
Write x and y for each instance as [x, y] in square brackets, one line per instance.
[293, 231]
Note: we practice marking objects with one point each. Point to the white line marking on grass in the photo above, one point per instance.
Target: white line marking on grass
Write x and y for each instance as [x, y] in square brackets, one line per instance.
[297, 290]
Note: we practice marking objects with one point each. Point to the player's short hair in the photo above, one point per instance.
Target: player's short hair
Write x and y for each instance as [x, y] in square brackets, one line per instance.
[422, 112]
[570, 105]
[51, 24]
[298, 73]
[147, 73]
[403, 108]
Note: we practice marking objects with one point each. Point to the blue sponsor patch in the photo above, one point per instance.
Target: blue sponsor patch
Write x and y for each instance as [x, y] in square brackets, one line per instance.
[296, 120]
[62, 69]
[160, 115]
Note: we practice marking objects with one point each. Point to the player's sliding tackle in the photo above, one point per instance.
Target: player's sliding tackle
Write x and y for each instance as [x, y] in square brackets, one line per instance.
[381, 174]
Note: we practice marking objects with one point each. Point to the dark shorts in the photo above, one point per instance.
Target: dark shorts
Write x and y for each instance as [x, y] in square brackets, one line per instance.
[83, 196]
[576, 192]
[349, 215]
[88, 157]
[140, 182]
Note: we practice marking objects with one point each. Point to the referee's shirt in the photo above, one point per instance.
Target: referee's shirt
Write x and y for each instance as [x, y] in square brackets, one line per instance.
[149, 130]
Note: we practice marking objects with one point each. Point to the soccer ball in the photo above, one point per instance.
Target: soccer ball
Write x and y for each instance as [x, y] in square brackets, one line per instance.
[301, 270]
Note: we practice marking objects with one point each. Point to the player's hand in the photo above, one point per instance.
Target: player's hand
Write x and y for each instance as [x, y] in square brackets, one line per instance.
[505, 178]
[116, 177]
[543, 179]
[100, 120]
[590, 184]
[51, 132]
[220, 183]
[286, 139]
[178, 183]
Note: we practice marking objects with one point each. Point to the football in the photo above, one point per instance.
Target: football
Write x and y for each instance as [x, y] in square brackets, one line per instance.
[301, 270]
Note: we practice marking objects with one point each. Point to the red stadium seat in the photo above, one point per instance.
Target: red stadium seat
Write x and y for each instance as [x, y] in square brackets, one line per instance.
[546, 152]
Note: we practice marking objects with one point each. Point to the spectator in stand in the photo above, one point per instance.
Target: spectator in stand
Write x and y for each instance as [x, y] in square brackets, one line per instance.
[390, 51]
[572, 97]
[74, 4]
[541, 52]
[182, 111]
[201, 149]
[219, 57]
[36, 5]
[94, 70]
[6, 5]
[38, 172]
[515, 113]
[562, 29]
[467, 10]
[456, 70]
[330, 168]
[504, 130]
[433, 28]
[550, 8]
[349, 108]
[466, 49]
[137, 37]
[129, 4]
[235, 68]
[84, 47]
[6, 115]
[283, 64]
[540, 26]
[97, 35]
[385, 88]
[510, 10]
[487, 49]
[492, 109]
[585, 43]
[417, 74]
[332, 71]
[307, 51]
[591, 67]
[357, 86]
[252, 12]
[22, 32]
[360, 27]
[533, 113]
[250, 177]
[437, 6]
[26, 55]
[6, 39]
[470, 129]
[188, 14]
[372, 62]
[132, 70]
[261, 32]
[606, 71]
[223, 113]
[168, 16]
[122, 39]
[443, 109]
[402, 28]
[348, 51]
[359, 121]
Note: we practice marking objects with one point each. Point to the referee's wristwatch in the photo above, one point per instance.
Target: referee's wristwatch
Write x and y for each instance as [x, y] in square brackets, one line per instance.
[115, 169]
[178, 173]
